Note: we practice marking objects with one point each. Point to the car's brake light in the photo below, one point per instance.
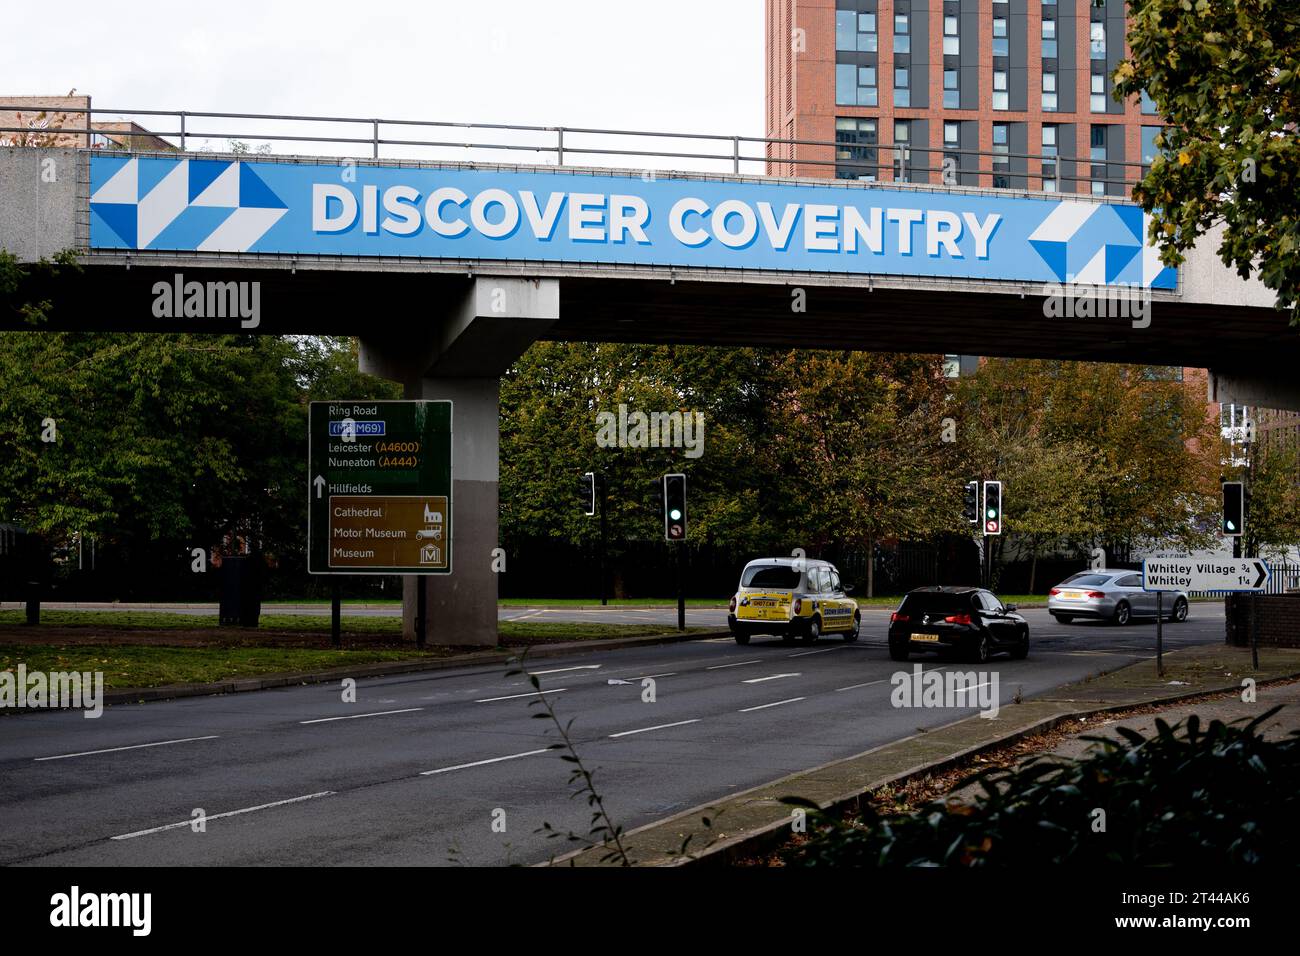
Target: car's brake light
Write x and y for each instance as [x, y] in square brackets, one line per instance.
[1096, 594]
[899, 617]
[732, 606]
[957, 619]
[1055, 591]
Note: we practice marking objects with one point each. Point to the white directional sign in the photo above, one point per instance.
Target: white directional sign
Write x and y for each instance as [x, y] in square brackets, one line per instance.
[1200, 574]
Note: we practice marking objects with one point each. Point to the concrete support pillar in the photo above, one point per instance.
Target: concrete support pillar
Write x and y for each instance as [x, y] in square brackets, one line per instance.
[462, 606]
[461, 356]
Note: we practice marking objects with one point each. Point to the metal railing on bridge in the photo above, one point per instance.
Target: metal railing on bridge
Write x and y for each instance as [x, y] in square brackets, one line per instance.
[640, 150]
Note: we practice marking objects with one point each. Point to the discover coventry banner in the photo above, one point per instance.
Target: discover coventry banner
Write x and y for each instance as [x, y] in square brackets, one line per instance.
[347, 208]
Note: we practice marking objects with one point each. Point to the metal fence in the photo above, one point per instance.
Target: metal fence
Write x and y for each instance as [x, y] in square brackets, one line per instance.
[431, 140]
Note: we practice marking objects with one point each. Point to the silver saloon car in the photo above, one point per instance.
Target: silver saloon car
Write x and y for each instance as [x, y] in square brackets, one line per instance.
[1115, 596]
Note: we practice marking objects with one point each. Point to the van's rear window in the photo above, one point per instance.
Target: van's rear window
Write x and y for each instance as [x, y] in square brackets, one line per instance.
[782, 577]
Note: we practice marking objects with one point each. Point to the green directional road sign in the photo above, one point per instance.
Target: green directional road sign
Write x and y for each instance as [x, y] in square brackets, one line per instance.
[379, 488]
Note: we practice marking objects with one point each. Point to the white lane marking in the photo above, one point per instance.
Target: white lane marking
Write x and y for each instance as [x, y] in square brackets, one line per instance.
[111, 750]
[531, 693]
[561, 670]
[962, 690]
[718, 667]
[680, 723]
[480, 763]
[378, 713]
[792, 700]
[870, 683]
[825, 650]
[759, 680]
[650, 676]
[884, 680]
[218, 816]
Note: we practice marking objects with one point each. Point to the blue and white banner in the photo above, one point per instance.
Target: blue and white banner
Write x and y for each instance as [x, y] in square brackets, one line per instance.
[323, 209]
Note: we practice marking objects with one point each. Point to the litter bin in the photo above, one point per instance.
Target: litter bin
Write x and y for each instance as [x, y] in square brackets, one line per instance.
[241, 590]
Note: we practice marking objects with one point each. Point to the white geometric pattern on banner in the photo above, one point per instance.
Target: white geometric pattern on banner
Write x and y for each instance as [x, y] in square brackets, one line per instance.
[1094, 273]
[241, 230]
[1151, 264]
[1063, 221]
[222, 191]
[160, 207]
[122, 187]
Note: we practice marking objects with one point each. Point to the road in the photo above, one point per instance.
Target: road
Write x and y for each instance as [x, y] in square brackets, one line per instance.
[420, 767]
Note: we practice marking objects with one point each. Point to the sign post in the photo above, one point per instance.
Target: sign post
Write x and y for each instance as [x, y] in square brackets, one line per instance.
[380, 488]
[1182, 572]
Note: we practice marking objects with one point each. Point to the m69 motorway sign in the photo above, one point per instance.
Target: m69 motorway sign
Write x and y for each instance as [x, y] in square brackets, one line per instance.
[379, 487]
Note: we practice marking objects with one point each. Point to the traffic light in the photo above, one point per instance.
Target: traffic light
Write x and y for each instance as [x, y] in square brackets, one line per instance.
[587, 492]
[992, 507]
[675, 507]
[1234, 509]
[970, 509]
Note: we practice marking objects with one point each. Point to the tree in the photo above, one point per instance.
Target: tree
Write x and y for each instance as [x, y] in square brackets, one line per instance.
[1273, 515]
[859, 445]
[1094, 455]
[1223, 75]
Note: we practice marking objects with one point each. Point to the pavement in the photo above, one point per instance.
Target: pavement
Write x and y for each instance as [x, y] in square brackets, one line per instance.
[713, 617]
[449, 766]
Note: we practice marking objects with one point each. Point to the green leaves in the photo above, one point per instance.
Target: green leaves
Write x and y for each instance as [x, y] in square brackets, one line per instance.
[1223, 76]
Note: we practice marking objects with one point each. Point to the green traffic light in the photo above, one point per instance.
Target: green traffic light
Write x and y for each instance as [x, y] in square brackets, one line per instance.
[993, 512]
[675, 515]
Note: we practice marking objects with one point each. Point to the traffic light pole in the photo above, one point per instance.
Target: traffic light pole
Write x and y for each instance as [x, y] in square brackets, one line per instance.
[336, 613]
[681, 584]
[604, 538]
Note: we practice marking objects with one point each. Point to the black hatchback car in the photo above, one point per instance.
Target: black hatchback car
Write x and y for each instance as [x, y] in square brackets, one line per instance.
[970, 621]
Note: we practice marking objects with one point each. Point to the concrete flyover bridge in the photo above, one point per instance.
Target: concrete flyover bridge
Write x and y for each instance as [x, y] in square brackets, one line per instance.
[448, 263]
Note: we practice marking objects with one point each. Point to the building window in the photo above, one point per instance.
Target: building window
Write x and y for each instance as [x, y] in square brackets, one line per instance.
[1097, 46]
[1049, 92]
[1098, 97]
[902, 39]
[1049, 39]
[1148, 104]
[902, 94]
[1149, 148]
[1097, 153]
[1000, 43]
[1049, 139]
[951, 134]
[1000, 90]
[1001, 159]
[855, 85]
[855, 31]
[855, 148]
[902, 150]
[951, 95]
[951, 41]
[846, 34]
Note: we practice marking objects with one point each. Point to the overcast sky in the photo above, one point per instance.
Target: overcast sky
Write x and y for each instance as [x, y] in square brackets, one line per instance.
[689, 65]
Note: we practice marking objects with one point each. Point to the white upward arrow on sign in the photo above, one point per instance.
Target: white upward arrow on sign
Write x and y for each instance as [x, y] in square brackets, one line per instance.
[1185, 573]
[320, 485]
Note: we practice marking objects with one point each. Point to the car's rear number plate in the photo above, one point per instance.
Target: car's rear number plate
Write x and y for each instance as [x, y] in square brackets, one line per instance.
[1073, 595]
[927, 638]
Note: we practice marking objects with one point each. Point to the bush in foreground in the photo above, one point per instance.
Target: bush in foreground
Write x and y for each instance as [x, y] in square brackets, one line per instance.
[1185, 795]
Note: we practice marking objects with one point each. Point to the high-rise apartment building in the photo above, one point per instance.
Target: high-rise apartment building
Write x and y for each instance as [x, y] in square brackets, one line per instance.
[897, 86]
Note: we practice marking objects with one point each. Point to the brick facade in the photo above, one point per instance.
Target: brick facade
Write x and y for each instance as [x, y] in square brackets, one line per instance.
[1277, 617]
